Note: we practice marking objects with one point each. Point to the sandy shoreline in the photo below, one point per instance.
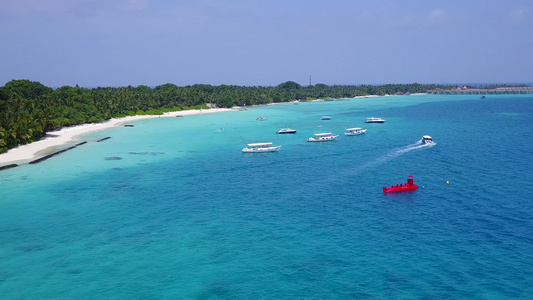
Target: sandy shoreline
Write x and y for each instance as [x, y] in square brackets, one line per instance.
[68, 135]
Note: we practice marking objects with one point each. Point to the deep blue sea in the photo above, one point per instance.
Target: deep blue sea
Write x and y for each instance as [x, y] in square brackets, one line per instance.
[172, 209]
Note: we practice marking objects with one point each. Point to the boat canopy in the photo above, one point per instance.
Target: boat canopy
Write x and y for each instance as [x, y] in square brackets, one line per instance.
[260, 145]
[353, 129]
[426, 137]
[323, 134]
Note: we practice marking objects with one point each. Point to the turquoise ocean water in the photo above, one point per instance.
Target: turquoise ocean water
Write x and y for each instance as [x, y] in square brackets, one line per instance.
[171, 208]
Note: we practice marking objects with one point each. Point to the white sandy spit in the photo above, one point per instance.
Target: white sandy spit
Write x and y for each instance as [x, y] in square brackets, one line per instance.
[68, 135]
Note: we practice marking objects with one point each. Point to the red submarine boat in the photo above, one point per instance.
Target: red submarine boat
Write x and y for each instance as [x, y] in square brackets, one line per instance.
[405, 187]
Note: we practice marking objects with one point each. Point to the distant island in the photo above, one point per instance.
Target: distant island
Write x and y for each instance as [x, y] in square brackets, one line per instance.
[28, 109]
[490, 90]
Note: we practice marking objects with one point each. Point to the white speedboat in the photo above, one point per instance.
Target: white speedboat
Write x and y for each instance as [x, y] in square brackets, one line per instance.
[326, 118]
[260, 147]
[322, 137]
[426, 139]
[355, 131]
[286, 130]
[375, 120]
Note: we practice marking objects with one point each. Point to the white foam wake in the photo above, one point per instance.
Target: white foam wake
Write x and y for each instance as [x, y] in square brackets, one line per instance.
[393, 154]
[400, 151]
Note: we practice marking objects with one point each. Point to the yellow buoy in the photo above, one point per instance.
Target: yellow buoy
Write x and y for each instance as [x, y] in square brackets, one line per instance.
[447, 182]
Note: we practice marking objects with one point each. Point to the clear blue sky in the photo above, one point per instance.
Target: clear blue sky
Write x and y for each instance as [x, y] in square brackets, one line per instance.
[265, 42]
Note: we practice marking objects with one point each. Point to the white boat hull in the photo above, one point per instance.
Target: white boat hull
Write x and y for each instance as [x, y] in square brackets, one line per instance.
[261, 150]
[286, 131]
[426, 139]
[375, 120]
[322, 139]
[355, 132]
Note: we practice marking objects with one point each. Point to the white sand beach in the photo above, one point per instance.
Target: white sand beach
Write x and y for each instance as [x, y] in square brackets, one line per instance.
[68, 135]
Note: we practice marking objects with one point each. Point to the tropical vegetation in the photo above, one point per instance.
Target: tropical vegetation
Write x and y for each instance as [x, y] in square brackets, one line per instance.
[28, 109]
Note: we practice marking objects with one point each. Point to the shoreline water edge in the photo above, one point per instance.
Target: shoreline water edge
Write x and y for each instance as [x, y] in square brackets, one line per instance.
[69, 135]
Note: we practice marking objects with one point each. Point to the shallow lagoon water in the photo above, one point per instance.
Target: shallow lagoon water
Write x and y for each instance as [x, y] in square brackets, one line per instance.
[172, 209]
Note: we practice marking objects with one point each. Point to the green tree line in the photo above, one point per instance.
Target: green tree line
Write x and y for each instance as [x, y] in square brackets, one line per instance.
[28, 109]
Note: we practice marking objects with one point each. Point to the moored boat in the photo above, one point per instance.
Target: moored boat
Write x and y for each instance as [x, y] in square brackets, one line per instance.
[405, 187]
[261, 119]
[326, 118]
[375, 120]
[355, 131]
[260, 147]
[426, 139]
[286, 130]
[322, 137]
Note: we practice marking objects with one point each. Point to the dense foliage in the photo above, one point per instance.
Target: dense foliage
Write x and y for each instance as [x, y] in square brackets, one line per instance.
[28, 109]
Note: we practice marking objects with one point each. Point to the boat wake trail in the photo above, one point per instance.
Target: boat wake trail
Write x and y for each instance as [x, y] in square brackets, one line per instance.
[400, 151]
[393, 154]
